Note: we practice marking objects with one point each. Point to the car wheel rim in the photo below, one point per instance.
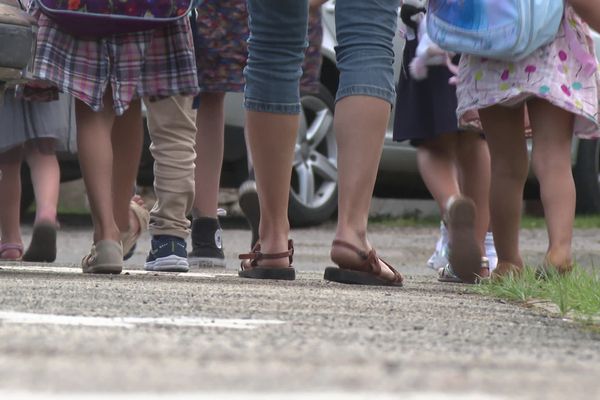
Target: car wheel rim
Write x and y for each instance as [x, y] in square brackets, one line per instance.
[314, 174]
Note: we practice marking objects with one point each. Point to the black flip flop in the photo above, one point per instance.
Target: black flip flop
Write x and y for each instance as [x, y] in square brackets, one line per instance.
[43, 243]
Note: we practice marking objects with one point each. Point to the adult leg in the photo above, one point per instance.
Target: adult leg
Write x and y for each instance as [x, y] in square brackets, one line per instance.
[10, 201]
[504, 129]
[276, 45]
[365, 31]
[552, 133]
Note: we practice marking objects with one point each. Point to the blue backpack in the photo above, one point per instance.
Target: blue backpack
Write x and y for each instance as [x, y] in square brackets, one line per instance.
[496, 29]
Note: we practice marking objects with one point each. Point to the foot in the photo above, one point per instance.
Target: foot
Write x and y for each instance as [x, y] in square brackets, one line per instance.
[138, 223]
[105, 257]
[350, 259]
[168, 254]
[357, 266]
[253, 264]
[557, 261]
[505, 270]
[11, 251]
[207, 243]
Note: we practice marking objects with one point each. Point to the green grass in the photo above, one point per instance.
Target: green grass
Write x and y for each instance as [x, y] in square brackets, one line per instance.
[576, 295]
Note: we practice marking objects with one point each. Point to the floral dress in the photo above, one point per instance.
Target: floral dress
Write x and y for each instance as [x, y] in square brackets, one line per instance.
[563, 72]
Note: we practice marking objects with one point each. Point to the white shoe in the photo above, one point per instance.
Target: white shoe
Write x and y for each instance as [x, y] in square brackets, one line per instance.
[490, 251]
[439, 258]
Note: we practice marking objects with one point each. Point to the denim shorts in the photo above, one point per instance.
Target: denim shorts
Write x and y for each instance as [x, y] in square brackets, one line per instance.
[278, 30]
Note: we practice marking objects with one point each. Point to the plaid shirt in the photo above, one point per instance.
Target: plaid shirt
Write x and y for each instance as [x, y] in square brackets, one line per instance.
[157, 63]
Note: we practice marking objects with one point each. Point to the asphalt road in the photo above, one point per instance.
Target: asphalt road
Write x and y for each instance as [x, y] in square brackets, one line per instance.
[209, 334]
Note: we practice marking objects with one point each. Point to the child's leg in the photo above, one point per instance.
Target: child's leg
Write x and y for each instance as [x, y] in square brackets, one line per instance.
[552, 134]
[504, 129]
[209, 153]
[127, 141]
[45, 175]
[436, 160]
[589, 11]
[10, 199]
[473, 159]
[96, 160]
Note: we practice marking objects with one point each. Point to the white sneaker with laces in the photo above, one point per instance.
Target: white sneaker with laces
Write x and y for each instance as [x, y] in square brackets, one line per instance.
[439, 258]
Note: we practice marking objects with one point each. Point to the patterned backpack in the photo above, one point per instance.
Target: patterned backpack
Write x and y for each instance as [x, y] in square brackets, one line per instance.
[96, 18]
[497, 29]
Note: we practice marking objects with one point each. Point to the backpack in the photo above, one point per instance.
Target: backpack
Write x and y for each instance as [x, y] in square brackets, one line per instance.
[97, 18]
[497, 29]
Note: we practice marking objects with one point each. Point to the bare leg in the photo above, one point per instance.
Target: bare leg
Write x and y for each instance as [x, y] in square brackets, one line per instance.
[436, 160]
[589, 10]
[504, 129]
[45, 175]
[552, 134]
[209, 153]
[10, 198]
[127, 140]
[96, 160]
[473, 160]
[360, 124]
[272, 138]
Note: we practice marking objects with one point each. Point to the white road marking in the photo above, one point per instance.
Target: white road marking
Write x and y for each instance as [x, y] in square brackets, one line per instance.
[73, 270]
[253, 396]
[12, 317]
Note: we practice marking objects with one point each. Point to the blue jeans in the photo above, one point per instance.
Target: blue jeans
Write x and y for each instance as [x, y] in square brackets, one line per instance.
[364, 29]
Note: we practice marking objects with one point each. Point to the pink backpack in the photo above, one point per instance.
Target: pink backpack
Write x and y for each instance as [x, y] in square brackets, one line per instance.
[97, 18]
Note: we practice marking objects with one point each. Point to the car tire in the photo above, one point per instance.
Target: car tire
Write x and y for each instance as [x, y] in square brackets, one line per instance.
[586, 173]
[314, 188]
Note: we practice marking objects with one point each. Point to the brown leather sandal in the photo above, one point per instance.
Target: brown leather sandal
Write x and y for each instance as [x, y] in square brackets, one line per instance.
[368, 273]
[251, 269]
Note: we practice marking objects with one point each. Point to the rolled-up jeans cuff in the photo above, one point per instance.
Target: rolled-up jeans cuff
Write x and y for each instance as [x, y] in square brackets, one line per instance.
[275, 108]
[366, 90]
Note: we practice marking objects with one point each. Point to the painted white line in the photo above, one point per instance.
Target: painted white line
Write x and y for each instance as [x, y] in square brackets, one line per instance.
[132, 322]
[73, 270]
[252, 396]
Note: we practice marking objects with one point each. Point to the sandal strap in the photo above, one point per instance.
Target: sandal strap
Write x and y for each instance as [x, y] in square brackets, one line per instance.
[371, 260]
[255, 255]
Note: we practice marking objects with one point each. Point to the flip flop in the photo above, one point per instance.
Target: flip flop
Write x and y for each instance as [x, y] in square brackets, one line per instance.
[465, 254]
[4, 247]
[130, 238]
[42, 247]
[251, 269]
[368, 273]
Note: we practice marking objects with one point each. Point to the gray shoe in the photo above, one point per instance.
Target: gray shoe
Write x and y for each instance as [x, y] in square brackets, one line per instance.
[106, 257]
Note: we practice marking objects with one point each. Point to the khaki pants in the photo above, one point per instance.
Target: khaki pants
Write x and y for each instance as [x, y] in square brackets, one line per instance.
[172, 126]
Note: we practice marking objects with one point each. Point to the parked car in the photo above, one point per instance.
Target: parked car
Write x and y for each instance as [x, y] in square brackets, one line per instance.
[313, 195]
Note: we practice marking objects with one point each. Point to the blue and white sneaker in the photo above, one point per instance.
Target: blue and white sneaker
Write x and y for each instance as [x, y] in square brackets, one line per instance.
[168, 254]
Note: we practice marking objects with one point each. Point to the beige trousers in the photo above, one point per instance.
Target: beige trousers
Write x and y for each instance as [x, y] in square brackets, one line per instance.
[172, 127]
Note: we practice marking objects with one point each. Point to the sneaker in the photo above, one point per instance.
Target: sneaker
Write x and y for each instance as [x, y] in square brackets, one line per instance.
[490, 251]
[439, 258]
[248, 199]
[168, 254]
[207, 243]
